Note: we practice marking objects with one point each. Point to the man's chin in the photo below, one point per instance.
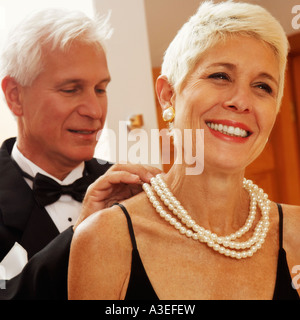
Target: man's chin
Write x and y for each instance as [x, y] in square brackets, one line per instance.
[81, 155]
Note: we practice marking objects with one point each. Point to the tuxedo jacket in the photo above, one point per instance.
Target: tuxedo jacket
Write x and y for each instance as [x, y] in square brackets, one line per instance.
[24, 221]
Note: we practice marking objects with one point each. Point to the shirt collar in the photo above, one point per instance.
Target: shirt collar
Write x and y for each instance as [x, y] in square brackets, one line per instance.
[32, 169]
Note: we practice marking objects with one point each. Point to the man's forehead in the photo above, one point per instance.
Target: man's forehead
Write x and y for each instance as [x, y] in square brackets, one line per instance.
[72, 52]
[78, 64]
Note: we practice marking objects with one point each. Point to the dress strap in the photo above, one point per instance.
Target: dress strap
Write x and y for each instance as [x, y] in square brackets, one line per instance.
[280, 225]
[139, 286]
[129, 222]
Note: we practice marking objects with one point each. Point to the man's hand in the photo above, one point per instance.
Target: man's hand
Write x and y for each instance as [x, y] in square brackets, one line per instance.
[120, 182]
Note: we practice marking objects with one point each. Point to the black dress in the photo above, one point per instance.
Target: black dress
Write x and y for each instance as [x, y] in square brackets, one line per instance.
[140, 287]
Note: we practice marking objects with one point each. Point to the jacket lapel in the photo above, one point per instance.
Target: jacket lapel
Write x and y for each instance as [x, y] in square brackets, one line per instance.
[30, 224]
[16, 199]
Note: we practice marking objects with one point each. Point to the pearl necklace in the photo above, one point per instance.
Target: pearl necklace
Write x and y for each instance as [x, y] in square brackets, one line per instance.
[226, 245]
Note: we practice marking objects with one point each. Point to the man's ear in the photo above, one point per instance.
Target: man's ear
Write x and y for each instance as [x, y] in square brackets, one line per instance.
[12, 92]
[165, 92]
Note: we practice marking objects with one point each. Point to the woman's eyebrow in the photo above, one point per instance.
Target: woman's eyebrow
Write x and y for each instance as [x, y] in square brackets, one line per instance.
[227, 65]
[231, 66]
[269, 77]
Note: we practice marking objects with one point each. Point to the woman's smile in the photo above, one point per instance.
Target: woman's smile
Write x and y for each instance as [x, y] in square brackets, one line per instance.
[229, 130]
[236, 110]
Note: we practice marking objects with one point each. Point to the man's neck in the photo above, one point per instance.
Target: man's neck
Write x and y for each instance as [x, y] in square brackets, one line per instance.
[32, 166]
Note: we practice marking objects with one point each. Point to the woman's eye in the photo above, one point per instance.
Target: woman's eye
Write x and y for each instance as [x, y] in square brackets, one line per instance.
[265, 87]
[219, 75]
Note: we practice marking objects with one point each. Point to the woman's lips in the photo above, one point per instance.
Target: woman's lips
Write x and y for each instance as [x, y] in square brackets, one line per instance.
[229, 130]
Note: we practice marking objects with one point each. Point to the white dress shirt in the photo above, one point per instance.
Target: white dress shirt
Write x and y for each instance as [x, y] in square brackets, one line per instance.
[63, 212]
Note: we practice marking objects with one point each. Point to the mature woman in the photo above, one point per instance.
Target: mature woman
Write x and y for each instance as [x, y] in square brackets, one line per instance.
[214, 235]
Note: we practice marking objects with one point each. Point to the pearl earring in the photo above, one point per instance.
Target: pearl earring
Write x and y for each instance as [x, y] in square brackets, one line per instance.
[168, 114]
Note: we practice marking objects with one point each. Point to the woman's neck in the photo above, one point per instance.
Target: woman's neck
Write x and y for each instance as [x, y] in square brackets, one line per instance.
[217, 202]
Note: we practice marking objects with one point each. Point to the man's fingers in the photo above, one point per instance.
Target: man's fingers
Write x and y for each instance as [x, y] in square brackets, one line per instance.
[112, 178]
[114, 186]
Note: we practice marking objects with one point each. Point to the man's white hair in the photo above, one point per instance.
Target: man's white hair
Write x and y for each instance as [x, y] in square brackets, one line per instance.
[22, 56]
[213, 23]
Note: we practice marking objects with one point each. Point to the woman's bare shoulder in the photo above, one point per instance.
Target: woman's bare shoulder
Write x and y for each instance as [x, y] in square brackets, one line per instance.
[100, 256]
[291, 215]
[102, 222]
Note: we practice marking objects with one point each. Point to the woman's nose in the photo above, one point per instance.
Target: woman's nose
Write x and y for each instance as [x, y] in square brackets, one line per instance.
[239, 100]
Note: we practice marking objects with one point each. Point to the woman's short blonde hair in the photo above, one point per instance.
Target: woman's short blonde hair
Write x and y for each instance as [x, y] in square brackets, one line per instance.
[213, 23]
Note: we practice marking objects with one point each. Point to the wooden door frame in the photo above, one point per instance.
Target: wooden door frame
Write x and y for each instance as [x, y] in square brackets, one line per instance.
[294, 41]
[285, 137]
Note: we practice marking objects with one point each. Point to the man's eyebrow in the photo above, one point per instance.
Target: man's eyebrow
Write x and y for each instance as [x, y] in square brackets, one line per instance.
[106, 80]
[78, 81]
[68, 81]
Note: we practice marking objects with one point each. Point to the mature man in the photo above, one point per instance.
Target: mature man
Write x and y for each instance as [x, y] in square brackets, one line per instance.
[55, 81]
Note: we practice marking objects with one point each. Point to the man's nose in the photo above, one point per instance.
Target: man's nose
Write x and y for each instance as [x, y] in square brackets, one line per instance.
[92, 105]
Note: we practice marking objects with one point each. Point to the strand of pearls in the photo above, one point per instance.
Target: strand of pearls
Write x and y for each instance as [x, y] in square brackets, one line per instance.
[226, 245]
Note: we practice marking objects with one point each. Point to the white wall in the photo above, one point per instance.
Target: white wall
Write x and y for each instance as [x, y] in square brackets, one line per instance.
[131, 90]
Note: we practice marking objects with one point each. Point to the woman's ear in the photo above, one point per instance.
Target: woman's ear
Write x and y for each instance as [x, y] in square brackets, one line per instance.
[165, 92]
[12, 91]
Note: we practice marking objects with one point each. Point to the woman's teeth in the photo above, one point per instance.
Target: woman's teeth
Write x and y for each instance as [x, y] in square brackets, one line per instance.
[228, 130]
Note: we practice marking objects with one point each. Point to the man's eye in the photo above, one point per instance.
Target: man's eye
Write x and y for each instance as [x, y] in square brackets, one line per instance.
[219, 75]
[100, 91]
[69, 90]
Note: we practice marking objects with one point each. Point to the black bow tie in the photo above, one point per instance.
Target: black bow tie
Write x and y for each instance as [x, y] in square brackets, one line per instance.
[47, 191]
